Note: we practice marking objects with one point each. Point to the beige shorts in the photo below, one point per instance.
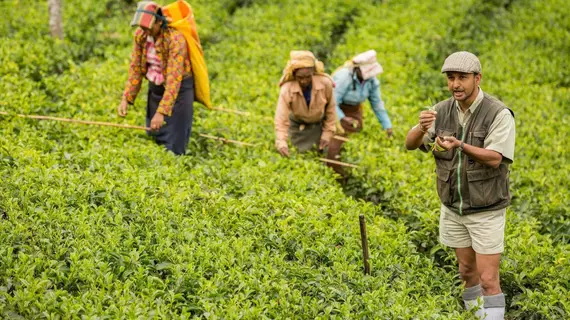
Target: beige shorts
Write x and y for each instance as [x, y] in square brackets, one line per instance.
[484, 231]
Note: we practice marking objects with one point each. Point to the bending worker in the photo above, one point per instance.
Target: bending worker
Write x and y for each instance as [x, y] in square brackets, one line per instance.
[474, 142]
[356, 82]
[306, 107]
[160, 55]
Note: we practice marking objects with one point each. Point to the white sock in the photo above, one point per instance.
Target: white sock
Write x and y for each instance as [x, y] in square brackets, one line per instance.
[472, 297]
[495, 307]
[476, 303]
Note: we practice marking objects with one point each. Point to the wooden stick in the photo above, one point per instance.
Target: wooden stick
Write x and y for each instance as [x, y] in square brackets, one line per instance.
[226, 140]
[364, 244]
[242, 113]
[341, 138]
[97, 123]
[339, 163]
[245, 113]
[128, 126]
[117, 125]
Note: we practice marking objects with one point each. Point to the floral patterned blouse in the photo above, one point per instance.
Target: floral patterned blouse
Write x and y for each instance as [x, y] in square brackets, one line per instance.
[170, 47]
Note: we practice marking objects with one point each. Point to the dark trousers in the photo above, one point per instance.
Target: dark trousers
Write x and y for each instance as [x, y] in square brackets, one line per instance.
[335, 145]
[174, 135]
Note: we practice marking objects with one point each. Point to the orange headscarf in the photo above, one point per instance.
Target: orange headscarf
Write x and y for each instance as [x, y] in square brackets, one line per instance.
[301, 59]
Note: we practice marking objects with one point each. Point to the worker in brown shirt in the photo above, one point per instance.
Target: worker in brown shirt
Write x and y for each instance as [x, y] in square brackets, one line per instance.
[306, 109]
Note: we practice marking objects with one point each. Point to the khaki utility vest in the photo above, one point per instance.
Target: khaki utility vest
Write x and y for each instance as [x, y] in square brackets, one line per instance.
[464, 185]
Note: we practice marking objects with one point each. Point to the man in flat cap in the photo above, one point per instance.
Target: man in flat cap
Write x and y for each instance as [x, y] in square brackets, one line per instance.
[472, 138]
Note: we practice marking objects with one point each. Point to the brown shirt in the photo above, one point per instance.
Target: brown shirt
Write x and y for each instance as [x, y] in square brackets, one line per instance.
[292, 102]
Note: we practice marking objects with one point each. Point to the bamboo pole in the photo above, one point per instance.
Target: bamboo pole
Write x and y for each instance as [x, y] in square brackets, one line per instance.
[339, 163]
[128, 126]
[242, 113]
[226, 140]
[245, 113]
[341, 138]
[97, 123]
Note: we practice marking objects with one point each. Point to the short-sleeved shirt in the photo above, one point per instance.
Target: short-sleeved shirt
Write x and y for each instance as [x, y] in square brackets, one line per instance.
[501, 136]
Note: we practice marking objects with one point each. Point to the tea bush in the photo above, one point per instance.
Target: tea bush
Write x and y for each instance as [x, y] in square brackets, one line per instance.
[102, 223]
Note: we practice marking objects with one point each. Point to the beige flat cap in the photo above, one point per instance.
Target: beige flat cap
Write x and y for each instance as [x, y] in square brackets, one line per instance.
[462, 61]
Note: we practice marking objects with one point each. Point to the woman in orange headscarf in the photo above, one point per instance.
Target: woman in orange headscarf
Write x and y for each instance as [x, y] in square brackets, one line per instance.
[160, 55]
[306, 106]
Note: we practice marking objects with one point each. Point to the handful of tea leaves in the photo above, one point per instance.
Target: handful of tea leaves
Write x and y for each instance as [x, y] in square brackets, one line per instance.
[436, 147]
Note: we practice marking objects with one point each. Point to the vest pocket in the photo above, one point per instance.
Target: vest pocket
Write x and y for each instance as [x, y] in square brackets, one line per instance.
[443, 186]
[484, 187]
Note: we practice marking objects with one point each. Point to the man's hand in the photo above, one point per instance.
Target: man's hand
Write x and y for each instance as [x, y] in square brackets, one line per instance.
[284, 152]
[426, 119]
[389, 133]
[323, 144]
[414, 138]
[156, 122]
[448, 143]
[122, 109]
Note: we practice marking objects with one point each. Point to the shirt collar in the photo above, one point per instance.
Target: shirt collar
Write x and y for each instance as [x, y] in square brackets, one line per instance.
[317, 85]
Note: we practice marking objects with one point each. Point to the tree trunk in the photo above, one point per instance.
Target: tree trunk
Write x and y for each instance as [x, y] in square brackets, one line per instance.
[55, 23]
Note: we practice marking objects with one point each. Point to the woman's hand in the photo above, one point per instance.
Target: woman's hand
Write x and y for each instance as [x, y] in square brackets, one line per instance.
[350, 121]
[122, 109]
[157, 121]
[323, 144]
[284, 152]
